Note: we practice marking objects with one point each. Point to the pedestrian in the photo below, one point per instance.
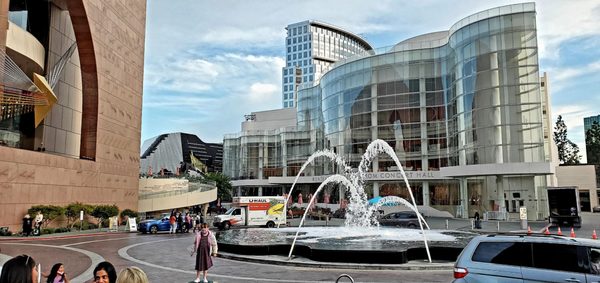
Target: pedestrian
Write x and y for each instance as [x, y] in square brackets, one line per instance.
[173, 222]
[477, 220]
[39, 218]
[198, 220]
[205, 246]
[180, 222]
[105, 273]
[19, 269]
[132, 275]
[57, 274]
[27, 222]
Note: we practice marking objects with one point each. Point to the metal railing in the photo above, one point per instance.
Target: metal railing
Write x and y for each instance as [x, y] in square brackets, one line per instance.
[192, 187]
[495, 215]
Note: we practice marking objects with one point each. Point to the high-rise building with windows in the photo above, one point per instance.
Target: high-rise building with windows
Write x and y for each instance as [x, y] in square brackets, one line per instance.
[588, 122]
[463, 110]
[311, 47]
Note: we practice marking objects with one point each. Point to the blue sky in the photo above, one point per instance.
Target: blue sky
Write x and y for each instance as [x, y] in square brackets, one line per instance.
[207, 63]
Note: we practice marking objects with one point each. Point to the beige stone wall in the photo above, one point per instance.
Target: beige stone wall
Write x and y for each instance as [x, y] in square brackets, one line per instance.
[117, 31]
[582, 176]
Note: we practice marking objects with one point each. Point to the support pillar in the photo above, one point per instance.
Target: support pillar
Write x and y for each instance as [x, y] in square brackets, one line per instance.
[463, 209]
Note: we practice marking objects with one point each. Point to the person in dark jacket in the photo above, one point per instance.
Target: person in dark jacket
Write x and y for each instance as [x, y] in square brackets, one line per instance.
[27, 222]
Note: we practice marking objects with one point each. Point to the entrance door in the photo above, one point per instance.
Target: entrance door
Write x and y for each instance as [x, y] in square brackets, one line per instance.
[584, 201]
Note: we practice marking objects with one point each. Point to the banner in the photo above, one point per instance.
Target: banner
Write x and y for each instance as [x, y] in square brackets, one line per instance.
[132, 225]
[113, 224]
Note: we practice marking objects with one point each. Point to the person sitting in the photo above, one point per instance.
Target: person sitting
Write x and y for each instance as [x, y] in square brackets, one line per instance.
[132, 275]
[57, 274]
[105, 273]
[19, 269]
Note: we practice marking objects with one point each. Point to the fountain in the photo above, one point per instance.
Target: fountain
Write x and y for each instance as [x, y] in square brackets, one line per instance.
[363, 240]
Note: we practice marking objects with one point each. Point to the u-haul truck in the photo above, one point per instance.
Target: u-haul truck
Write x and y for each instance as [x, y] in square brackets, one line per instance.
[253, 211]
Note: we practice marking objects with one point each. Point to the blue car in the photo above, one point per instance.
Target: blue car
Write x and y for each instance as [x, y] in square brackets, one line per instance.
[154, 225]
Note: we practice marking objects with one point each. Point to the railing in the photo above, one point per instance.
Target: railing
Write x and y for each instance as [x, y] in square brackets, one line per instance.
[495, 215]
[192, 187]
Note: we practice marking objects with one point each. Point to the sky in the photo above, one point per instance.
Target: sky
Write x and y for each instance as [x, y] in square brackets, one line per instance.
[208, 63]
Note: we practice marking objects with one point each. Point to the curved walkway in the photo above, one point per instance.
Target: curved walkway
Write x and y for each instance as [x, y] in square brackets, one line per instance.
[166, 258]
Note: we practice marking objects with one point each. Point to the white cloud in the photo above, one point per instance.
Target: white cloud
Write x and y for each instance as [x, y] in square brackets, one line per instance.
[226, 55]
[560, 21]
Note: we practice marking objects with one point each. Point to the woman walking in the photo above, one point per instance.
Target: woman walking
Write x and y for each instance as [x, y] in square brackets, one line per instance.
[205, 245]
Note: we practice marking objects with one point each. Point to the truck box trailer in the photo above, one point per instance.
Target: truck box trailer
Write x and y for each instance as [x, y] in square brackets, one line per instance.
[253, 211]
[563, 206]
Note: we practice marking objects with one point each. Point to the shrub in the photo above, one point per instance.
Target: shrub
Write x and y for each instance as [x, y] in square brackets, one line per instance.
[129, 213]
[47, 230]
[103, 212]
[86, 226]
[72, 212]
[5, 232]
[50, 212]
[62, 230]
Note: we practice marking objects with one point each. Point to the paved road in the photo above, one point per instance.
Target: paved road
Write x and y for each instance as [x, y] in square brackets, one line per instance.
[166, 258]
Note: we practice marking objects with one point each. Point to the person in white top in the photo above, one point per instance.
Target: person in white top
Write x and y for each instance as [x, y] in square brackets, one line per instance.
[38, 220]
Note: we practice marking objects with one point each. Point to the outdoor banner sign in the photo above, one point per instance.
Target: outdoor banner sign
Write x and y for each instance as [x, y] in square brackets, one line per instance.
[132, 224]
[113, 224]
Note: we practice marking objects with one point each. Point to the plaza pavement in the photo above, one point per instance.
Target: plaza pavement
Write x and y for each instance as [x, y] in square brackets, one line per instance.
[165, 257]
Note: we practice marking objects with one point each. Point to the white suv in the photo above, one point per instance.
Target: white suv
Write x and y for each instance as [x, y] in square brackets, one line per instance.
[523, 258]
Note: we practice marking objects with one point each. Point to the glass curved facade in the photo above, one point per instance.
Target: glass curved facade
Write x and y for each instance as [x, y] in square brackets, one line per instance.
[474, 100]
[462, 110]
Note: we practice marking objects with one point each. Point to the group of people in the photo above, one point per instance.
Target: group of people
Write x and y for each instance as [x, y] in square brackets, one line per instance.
[181, 222]
[24, 269]
[30, 223]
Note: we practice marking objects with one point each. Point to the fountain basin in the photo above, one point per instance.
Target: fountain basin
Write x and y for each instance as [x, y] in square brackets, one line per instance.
[346, 244]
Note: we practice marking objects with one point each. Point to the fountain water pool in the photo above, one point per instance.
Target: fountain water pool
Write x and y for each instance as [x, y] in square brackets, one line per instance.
[361, 240]
[346, 244]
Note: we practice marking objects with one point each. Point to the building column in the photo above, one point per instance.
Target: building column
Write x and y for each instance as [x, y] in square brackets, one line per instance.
[239, 191]
[261, 148]
[425, 190]
[375, 189]
[260, 193]
[463, 209]
[496, 111]
[283, 156]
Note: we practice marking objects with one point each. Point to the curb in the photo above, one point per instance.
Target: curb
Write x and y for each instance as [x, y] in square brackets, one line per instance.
[337, 265]
[58, 237]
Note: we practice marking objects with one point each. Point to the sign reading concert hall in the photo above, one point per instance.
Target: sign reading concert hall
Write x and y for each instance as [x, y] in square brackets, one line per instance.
[395, 175]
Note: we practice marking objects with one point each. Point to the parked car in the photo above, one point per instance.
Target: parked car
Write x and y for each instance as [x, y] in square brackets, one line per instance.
[535, 258]
[596, 208]
[154, 225]
[406, 219]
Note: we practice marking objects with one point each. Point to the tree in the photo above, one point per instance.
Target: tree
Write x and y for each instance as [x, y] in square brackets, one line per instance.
[103, 212]
[128, 212]
[592, 144]
[568, 151]
[224, 188]
[73, 210]
[50, 212]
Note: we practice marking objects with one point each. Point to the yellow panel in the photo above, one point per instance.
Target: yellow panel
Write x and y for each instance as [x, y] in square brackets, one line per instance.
[46, 91]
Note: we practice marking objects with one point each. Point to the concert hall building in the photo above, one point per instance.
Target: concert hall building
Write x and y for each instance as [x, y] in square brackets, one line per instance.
[464, 109]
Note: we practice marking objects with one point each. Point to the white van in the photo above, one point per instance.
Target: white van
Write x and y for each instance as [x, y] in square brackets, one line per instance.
[253, 211]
